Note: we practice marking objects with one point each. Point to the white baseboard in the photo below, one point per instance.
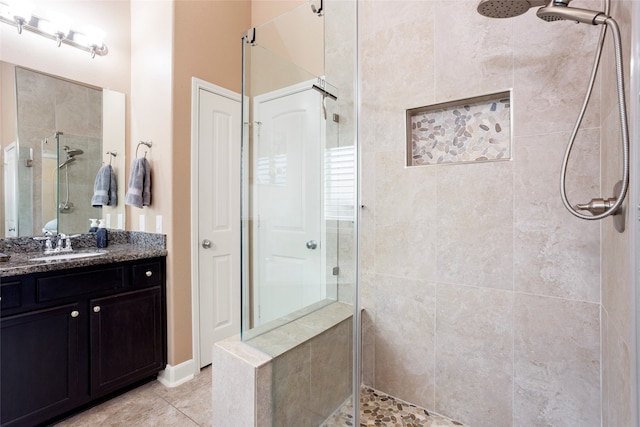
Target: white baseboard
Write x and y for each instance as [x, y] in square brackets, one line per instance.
[173, 376]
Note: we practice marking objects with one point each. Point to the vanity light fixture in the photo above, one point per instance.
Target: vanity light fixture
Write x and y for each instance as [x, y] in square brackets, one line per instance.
[19, 13]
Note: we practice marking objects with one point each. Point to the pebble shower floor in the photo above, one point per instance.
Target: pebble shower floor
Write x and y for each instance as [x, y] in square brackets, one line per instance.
[380, 409]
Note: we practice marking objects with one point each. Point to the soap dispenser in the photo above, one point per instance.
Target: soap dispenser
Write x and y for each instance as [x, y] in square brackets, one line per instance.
[94, 225]
[102, 240]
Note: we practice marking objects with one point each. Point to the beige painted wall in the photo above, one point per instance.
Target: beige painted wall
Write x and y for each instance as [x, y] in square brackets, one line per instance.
[207, 45]
[265, 10]
[151, 121]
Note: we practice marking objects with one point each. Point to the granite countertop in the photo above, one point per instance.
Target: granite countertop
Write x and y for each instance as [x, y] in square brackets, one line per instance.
[123, 246]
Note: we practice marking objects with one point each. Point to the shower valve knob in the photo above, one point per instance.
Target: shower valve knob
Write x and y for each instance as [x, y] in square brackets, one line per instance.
[597, 206]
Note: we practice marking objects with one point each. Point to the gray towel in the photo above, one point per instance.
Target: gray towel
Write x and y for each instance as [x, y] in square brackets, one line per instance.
[105, 188]
[139, 193]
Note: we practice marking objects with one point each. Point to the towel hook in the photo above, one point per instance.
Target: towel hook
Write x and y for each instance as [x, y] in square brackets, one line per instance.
[147, 143]
[112, 155]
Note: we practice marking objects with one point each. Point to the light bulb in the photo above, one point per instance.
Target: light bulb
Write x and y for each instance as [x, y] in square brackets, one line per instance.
[94, 36]
[21, 11]
[61, 23]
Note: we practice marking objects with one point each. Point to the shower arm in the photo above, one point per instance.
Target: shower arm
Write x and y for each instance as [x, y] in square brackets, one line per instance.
[596, 206]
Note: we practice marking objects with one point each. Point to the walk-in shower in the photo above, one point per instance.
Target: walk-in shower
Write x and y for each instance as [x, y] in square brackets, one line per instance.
[70, 157]
[560, 11]
[68, 165]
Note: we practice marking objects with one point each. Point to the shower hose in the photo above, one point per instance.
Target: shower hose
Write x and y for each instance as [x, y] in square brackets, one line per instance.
[610, 22]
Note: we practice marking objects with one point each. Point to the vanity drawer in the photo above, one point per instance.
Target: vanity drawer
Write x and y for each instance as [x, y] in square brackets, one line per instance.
[61, 286]
[10, 295]
[147, 274]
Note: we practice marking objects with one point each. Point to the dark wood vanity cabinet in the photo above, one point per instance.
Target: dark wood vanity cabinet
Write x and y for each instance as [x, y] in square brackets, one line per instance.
[40, 365]
[125, 340]
[72, 336]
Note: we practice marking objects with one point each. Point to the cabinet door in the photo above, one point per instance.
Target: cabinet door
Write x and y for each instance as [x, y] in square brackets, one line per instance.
[40, 364]
[126, 339]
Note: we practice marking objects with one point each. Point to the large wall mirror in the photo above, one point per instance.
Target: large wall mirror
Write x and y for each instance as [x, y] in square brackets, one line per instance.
[64, 132]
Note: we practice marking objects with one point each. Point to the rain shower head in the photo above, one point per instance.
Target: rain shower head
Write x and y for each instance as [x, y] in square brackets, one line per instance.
[552, 10]
[507, 8]
[72, 151]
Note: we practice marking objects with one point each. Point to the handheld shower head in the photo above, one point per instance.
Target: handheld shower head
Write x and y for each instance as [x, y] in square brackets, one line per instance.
[70, 159]
[555, 11]
[506, 8]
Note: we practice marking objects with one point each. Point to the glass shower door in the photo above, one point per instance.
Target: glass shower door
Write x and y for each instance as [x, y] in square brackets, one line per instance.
[298, 237]
[288, 232]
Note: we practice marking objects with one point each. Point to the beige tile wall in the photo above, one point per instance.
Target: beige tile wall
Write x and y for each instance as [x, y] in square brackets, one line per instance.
[482, 294]
[300, 387]
[312, 380]
[618, 355]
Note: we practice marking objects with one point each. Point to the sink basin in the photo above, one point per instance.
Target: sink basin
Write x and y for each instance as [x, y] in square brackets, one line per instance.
[71, 255]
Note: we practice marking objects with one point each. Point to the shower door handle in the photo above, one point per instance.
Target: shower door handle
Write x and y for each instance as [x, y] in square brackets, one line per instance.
[312, 244]
[206, 243]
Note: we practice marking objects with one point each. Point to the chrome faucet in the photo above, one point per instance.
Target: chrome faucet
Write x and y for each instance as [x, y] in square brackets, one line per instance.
[62, 242]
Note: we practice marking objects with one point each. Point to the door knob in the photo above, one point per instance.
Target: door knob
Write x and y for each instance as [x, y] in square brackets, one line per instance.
[312, 244]
[96, 309]
[206, 243]
[75, 313]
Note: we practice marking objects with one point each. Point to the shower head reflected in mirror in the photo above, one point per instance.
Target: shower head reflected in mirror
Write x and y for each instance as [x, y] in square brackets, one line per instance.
[66, 162]
[71, 153]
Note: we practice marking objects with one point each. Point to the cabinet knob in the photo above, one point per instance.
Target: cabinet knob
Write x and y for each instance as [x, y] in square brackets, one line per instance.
[96, 309]
[75, 313]
[149, 273]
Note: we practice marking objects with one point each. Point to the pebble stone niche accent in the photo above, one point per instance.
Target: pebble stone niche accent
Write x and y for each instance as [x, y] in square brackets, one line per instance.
[380, 409]
[469, 130]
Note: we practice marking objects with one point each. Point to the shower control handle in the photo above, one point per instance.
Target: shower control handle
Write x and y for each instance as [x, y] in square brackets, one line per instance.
[597, 206]
[206, 243]
[312, 244]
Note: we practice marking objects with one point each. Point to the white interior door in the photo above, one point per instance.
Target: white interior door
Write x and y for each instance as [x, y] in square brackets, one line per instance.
[10, 191]
[288, 233]
[218, 208]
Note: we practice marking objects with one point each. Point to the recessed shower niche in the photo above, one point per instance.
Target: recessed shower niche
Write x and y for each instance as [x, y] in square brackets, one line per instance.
[468, 130]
